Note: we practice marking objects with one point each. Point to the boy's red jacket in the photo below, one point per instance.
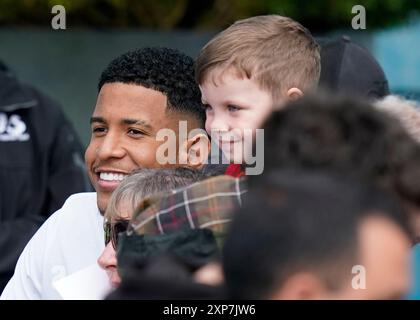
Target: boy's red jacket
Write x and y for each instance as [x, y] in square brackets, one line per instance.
[235, 170]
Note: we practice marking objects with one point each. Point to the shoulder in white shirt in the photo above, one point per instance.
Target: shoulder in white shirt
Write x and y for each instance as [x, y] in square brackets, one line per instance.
[70, 240]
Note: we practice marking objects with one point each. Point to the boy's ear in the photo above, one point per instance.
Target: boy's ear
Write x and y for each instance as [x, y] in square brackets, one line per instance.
[198, 150]
[294, 93]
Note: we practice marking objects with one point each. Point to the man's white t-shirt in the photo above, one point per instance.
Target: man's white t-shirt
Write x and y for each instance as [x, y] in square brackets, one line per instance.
[70, 240]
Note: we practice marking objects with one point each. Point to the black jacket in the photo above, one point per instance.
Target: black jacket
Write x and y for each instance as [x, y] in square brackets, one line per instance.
[41, 164]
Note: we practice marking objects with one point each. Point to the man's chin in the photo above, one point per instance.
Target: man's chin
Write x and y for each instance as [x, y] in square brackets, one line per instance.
[102, 203]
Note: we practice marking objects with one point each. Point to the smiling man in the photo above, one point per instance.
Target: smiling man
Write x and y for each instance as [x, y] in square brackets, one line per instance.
[140, 93]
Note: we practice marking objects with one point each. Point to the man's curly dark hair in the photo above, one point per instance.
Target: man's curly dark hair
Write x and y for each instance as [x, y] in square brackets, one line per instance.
[168, 71]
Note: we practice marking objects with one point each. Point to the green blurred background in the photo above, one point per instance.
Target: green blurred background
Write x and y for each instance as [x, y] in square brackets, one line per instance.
[321, 15]
[66, 64]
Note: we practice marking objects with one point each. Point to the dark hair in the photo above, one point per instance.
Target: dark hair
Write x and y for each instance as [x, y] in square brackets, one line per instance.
[162, 69]
[349, 68]
[297, 221]
[347, 136]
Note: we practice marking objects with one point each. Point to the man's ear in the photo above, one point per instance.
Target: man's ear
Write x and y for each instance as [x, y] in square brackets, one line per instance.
[198, 149]
[300, 286]
[294, 93]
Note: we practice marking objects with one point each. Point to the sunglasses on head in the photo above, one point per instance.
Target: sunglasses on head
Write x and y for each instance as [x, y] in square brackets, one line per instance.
[113, 229]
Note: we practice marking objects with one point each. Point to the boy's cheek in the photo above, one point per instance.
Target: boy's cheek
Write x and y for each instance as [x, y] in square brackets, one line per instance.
[215, 125]
[239, 149]
[258, 119]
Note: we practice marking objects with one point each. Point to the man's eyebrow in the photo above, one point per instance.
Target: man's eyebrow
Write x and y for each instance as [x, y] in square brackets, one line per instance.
[97, 119]
[137, 122]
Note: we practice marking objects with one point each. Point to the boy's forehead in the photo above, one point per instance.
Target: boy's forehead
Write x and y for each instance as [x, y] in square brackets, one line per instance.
[224, 85]
[217, 76]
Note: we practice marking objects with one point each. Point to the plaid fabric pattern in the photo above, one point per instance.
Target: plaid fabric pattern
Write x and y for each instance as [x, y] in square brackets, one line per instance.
[206, 204]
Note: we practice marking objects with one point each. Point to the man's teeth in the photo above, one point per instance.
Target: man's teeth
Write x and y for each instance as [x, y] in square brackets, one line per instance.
[112, 176]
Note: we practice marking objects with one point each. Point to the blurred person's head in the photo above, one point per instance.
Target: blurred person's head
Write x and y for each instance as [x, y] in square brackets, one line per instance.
[126, 199]
[140, 93]
[350, 137]
[250, 68]
[312, 231]
[406, 111]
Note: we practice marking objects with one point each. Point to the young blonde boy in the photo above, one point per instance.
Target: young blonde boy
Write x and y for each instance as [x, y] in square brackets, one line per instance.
[249, 70]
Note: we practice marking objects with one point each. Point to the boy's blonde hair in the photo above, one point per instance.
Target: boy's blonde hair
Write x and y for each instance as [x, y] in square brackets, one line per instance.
[278, 52]
[406, 111]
